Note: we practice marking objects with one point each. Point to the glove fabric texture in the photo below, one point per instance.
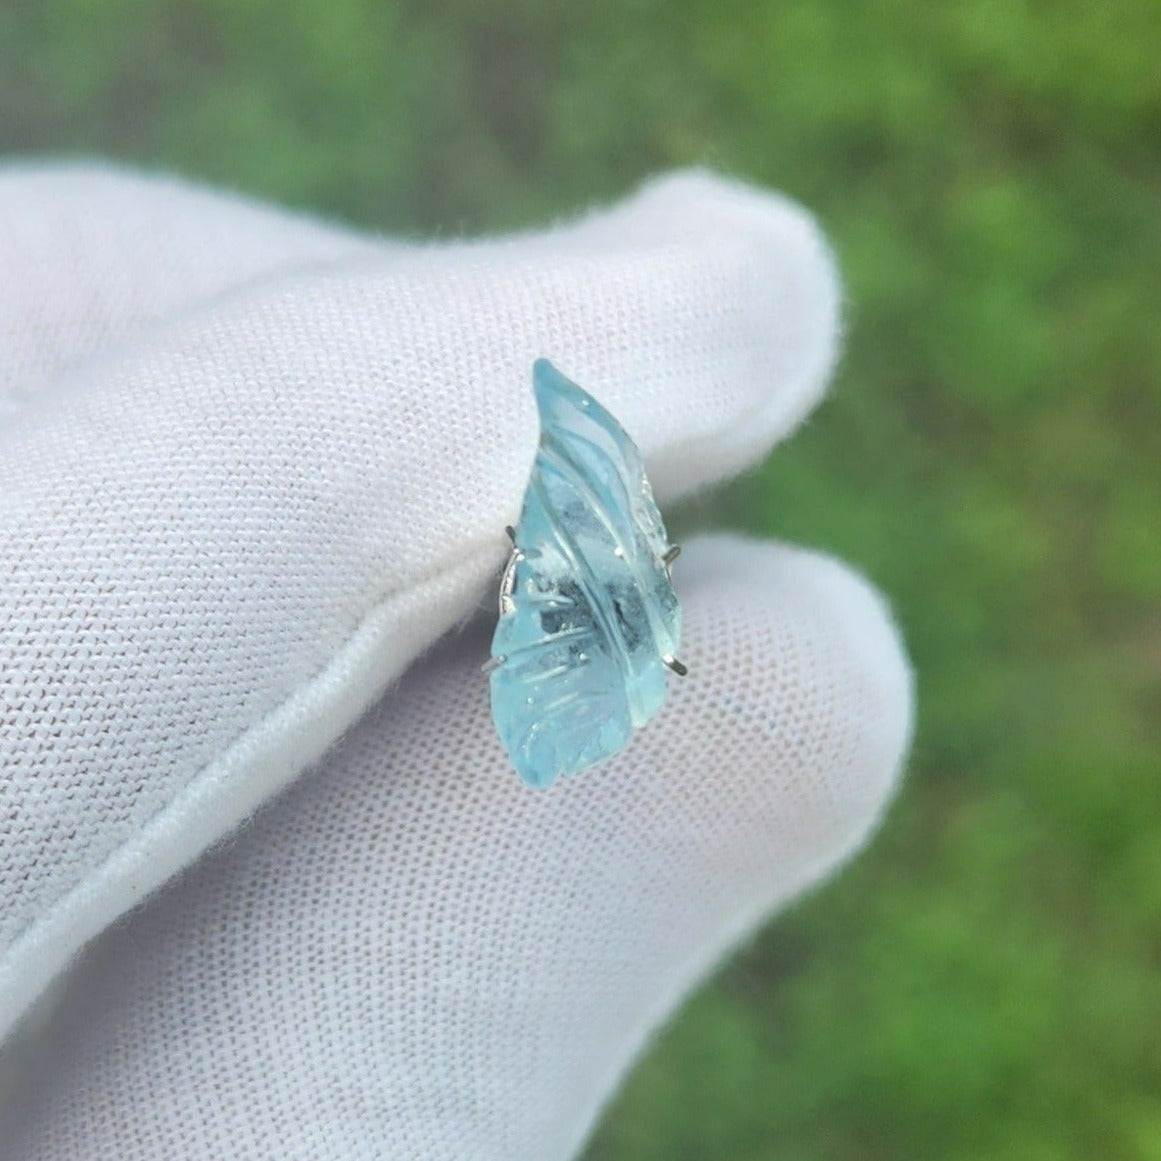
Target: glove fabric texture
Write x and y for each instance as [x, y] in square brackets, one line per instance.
[254, 818]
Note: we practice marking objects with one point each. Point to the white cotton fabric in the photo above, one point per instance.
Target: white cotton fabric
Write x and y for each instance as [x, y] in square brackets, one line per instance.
[251, 467]
[91, 256]
[411, 955]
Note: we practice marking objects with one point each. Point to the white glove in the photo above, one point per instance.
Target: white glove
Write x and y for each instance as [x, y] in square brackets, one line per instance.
[251, 468]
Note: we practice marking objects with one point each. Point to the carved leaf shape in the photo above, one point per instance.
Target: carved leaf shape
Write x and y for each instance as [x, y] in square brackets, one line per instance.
[588, 609]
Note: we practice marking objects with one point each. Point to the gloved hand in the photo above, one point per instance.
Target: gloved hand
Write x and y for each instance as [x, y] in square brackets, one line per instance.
[253, 469]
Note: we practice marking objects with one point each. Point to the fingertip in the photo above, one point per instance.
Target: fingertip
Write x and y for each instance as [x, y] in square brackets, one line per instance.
[729, 324]
[784, 338]
[805, 651]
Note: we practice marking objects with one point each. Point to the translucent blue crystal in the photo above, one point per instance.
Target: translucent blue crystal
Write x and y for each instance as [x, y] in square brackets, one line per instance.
[589, 620]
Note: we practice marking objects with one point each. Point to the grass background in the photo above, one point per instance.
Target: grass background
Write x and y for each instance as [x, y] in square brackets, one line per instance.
[985, 982]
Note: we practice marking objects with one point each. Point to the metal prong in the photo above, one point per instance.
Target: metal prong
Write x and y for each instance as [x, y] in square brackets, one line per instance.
[674, 664]
[673, 553]
[508, 582]
[492, 663]
[511, 532]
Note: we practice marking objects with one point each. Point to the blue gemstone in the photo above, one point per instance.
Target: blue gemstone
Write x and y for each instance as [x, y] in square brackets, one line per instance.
[589, 620]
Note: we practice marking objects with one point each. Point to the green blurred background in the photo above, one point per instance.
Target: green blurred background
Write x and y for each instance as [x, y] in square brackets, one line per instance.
[984, 982]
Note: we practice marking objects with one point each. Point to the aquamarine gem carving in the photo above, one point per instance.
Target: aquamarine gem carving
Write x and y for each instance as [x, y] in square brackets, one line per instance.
[589, 622]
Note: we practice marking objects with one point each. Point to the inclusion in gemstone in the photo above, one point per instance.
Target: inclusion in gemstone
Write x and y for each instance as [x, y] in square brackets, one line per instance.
[589, 621]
